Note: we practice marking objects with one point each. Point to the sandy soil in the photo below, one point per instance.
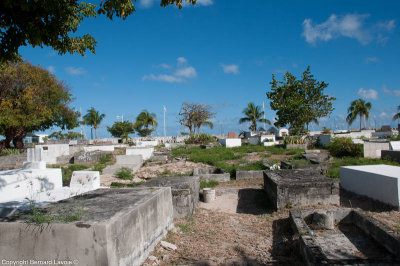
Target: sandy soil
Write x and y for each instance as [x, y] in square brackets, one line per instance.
[181, 167]
[237, 229]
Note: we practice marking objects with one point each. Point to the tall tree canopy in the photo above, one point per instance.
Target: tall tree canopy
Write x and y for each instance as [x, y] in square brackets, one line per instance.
[195, 115]
[93, 118]
[145, 123]
[298, 102]
[253, 114]
[397, 115]
[358, 108]
[54, 23]
[32, 99]
[121, 129]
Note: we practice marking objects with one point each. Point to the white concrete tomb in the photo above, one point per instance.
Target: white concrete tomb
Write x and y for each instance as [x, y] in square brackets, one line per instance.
[380, 182]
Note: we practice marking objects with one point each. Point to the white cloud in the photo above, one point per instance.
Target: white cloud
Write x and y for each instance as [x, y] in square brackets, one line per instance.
[180, 73]
[51, 69]
[349, 25]
[199, 3]
[164, 66]
[230, 69]
[391, 92]
[146, 3]
[186, 72]
[181, 60]
[164, 78]
[368, 94]
[383, 114]
[75, 71]
[372, 59]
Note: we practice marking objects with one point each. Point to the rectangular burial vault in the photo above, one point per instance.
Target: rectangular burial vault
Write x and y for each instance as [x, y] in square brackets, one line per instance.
[344, 237]
[379, 182]
[287, 188]
[116, 227]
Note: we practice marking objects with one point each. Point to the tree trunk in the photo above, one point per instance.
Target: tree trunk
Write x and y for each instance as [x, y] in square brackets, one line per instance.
[18, 138]
[360, 122]
[7, 141]
[307, 125]
[95, 132]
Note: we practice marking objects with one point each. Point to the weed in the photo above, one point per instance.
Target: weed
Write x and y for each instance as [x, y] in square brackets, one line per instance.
[124, 174]
[5, 152]
[289, 205]
[187, 226]
[105, 159]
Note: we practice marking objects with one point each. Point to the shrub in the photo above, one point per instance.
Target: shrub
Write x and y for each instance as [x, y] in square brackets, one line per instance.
[344, 146]
[105, 159]
[294, 140]
[124, 173]
[201, 138]
[326, 130]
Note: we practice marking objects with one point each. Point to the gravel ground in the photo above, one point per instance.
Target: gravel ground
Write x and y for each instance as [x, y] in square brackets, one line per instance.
[241, 229]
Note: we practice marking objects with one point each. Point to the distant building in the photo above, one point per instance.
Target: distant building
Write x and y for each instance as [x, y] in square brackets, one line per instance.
[35, 138]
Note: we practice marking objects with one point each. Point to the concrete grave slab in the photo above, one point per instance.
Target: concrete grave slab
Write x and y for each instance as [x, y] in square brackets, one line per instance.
[146, 153]
[249, 174]
[344, 237]
[147, 143]
[26, 183]
[379, 182]
[391, 155]
[185, 193]
[299, 188]
[394, 145]
[86, 180]
[117, 227]
[88, 156]
[230, 143]
[212, 173]
[373, 149]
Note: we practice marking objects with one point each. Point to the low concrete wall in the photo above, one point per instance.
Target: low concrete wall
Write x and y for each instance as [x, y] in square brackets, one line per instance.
[146, 153]
[379, 182]
[52, 151]
[149, 143]
[99, 148]
[373, 149]
[88, 157]
[118, 227]
[185, 193]
[12, 161]
[391, 155]
[212, 173]
[296, 146]
[230, 143]
[249, 174]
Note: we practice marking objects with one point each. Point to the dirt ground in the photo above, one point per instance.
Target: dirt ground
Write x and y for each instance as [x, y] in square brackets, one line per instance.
[179, 168]
[241, 229]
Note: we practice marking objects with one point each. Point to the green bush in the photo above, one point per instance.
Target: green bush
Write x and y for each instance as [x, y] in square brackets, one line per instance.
[326, 130]
[105, 159]
[344, 146]
[5, 152]
[201, 138]
[124, 173]
[208, 184]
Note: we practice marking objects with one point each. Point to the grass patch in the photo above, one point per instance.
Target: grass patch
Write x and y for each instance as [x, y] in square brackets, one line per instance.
[105, 159]
[67, 171]
[208, 184]
[124, 174]
[187, 226]
[334, 168]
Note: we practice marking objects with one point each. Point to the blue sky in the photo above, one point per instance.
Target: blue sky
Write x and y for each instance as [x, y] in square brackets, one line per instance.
[223, 52]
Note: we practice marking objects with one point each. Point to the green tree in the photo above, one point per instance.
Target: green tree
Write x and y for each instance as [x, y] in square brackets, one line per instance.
[54, 23]
[93, 118]
[253, 114]
[358, 108]
[32, 99]
[397, 116]
[121, 129]
[298, 102]
[62, 136]
[145, 123]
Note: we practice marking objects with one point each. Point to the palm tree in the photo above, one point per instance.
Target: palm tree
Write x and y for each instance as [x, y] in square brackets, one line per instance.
[143, 121]
[204, 122]
[253, 114]
[93, 118]
[358, 108]
[397, 116]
